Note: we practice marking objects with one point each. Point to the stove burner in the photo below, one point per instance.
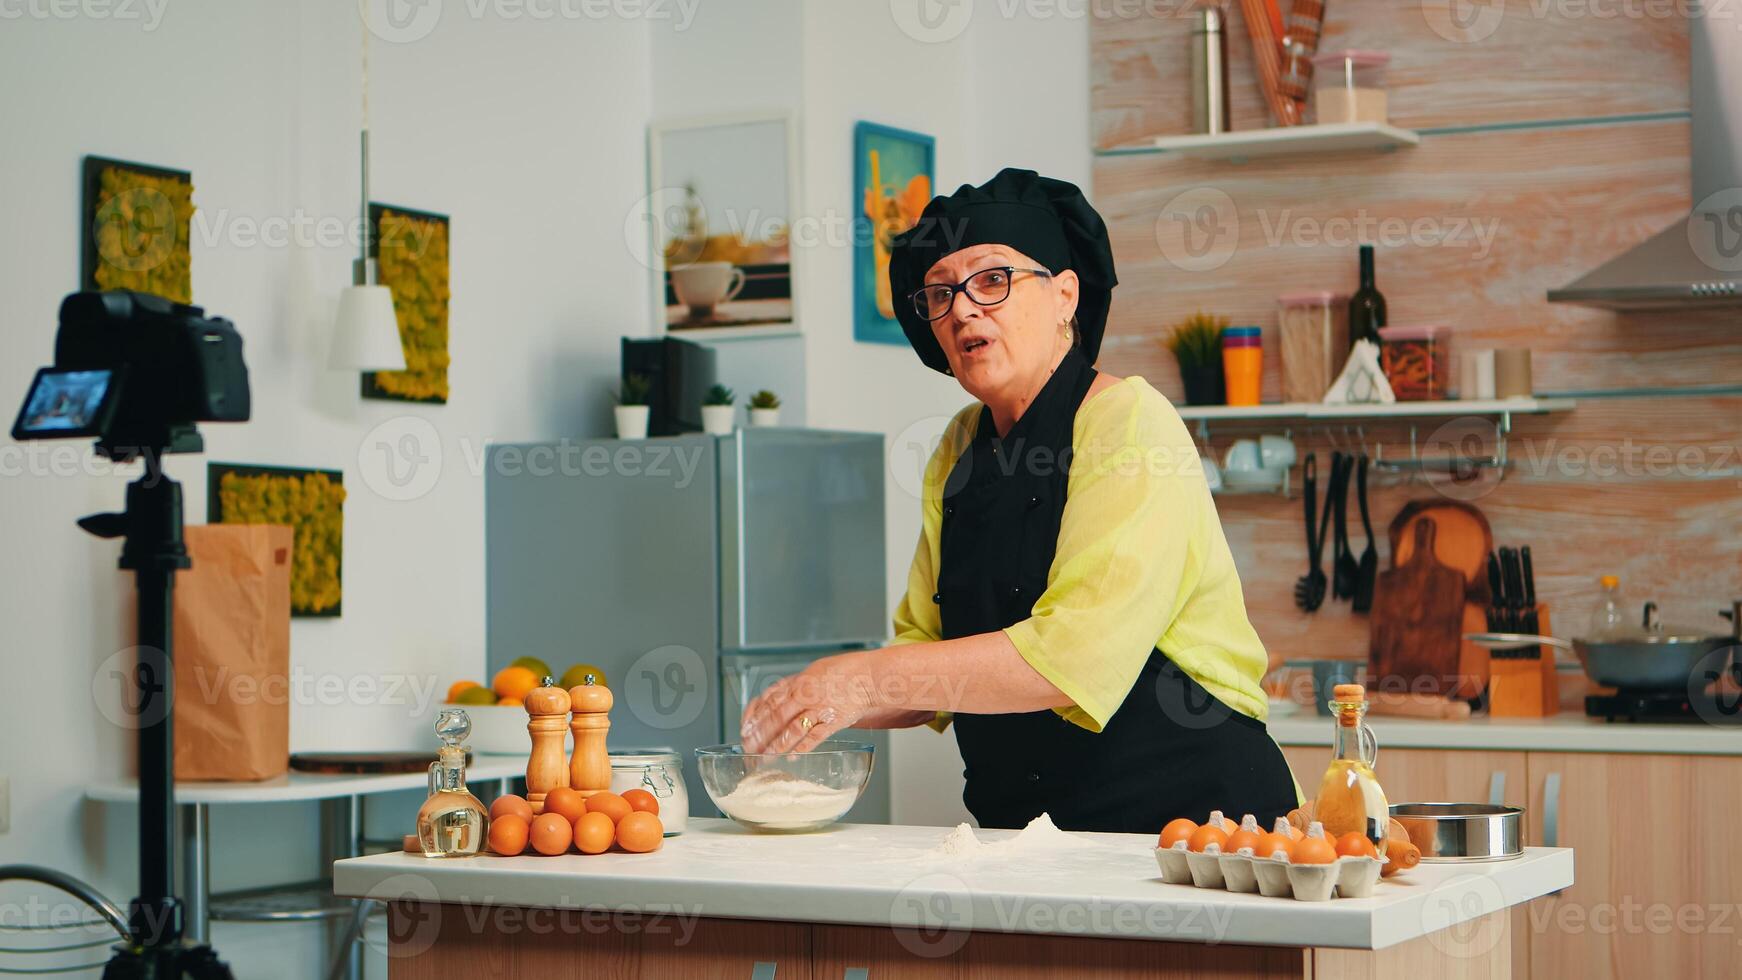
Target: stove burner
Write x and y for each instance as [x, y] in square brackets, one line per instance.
[1661, 706]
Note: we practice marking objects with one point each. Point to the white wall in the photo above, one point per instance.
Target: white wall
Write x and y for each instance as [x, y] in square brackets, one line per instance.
[530, 135]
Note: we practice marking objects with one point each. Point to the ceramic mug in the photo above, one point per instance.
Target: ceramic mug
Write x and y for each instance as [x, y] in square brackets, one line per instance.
[1244, 456]
[701, 286]
[1276, 452]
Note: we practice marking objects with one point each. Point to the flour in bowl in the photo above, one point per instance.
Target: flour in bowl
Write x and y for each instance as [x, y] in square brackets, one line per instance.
[781, 800]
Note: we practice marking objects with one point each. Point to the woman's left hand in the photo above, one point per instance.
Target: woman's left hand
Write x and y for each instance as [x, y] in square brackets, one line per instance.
[797, 713]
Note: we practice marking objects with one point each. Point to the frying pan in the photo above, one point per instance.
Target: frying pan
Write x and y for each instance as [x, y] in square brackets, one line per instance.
[1653, 659]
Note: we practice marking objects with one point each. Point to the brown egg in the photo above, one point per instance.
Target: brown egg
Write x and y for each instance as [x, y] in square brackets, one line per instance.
[1245, 836]
[551, 834]
[1274, 843]
[1177, 830]
[569, 803]
[641, 801]
[611, 805]
[1355, 844]
[1312, 850]
[640, 832]
[1206, 835]
[594, 833]
[511, 804]
[508, 834]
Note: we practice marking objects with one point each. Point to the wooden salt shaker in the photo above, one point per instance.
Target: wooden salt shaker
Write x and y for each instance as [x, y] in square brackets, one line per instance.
[590, 771]
[547, 710]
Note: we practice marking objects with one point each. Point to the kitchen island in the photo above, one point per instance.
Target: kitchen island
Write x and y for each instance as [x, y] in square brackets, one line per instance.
[866, 902]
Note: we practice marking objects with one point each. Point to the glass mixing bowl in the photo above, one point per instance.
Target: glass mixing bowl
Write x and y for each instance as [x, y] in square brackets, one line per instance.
[786, 792]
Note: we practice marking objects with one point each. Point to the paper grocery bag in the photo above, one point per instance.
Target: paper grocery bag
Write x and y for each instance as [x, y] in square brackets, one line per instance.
[232, 653]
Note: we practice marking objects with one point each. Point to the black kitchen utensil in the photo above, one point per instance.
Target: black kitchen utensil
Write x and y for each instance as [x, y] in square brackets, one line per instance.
[1344, 569]
[1496, 595]
[1368, 569]
[1309, 589]
[1512, 576]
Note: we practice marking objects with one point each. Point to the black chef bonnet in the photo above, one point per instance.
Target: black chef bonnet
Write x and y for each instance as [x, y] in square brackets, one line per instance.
[1048, 220]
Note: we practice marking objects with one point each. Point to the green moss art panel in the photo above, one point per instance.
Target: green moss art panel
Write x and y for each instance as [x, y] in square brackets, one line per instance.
[310, 502]
[137, 227]
[411, 249]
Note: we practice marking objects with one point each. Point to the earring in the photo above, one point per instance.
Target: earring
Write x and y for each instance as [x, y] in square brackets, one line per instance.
[1067, 331]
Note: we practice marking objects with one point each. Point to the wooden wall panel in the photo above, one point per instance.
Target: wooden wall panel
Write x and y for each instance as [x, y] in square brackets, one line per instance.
[1551, 203]
[1533, 61]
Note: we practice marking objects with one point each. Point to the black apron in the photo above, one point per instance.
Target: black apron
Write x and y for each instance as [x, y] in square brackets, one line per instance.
[1171, 750]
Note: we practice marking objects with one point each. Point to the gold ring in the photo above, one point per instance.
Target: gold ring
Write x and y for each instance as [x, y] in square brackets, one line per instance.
[804, 722]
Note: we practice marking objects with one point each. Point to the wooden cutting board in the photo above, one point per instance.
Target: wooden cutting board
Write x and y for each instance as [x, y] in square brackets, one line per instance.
[1415, 628]
[1462, 540]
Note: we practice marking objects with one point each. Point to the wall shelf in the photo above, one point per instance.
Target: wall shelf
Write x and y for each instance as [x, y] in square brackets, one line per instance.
[1319, 411]
[1280, 140]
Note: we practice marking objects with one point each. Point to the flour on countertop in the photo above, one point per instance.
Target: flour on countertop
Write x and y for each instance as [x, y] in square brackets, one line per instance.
[1041, 836]
[780, 800]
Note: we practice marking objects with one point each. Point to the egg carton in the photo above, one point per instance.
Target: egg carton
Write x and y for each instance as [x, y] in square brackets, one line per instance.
[1274, 876]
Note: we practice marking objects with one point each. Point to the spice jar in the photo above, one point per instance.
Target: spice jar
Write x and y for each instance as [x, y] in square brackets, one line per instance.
[1415, 360]
[1314, 340]
[1349, 86]
[1243, 364]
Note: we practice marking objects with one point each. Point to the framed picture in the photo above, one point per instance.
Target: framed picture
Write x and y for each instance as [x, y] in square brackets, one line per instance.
[892, 183]
[411, 258]
[310, 502]
[720, 207]
[137, 227]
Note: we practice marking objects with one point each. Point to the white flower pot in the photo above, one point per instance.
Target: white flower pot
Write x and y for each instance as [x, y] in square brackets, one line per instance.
[717, 419]
[632, 421]
[762, 417]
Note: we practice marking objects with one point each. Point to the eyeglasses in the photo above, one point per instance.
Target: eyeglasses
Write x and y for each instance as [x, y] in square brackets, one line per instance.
[988, 287]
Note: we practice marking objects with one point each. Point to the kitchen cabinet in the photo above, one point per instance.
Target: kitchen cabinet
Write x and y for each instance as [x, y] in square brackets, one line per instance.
[440, 942]
[1659, 878]
[904, 954]
[1658, 888]
[1436, 775]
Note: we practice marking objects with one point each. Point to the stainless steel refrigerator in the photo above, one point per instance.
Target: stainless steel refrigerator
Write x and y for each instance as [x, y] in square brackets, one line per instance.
[693, 570]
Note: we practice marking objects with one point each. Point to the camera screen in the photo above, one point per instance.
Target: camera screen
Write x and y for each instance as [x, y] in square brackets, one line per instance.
[65, 403]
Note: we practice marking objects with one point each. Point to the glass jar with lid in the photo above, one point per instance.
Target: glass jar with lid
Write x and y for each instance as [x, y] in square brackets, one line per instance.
[660, 772]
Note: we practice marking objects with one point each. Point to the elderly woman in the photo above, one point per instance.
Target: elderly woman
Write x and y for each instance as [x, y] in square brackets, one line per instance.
[1072, 609]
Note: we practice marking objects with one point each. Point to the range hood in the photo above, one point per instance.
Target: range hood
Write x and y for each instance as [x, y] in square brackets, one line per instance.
[1695, 263]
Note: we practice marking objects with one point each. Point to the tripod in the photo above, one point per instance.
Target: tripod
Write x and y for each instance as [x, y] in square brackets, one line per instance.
[154, 551]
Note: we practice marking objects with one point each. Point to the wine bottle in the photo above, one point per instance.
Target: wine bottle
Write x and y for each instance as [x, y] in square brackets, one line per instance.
[1367, 306]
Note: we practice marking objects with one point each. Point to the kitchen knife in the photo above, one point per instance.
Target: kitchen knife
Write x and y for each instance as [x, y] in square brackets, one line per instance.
[1513, 579]
[1529, 575]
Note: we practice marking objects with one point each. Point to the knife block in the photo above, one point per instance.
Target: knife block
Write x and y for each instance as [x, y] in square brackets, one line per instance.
[1522, 683]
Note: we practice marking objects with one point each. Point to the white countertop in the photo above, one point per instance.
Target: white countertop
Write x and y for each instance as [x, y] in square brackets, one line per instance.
[864, 874]
[1565, 732]
[294, 786]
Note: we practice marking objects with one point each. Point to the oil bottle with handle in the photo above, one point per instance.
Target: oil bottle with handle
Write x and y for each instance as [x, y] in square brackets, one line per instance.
[452, 822]
[1350, 797]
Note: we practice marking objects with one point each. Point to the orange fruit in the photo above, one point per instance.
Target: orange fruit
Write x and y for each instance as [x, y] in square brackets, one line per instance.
[611, 805]
[508, 834]
[1177, 830]
[511, 805]
[510, 703]
[567, 802]
[458, 686]
[641, 801]
[640, 832]
[551, 834]
[594, 833]
[513, 682]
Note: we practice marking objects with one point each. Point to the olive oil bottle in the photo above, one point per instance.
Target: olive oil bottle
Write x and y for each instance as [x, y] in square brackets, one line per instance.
[1350, 797]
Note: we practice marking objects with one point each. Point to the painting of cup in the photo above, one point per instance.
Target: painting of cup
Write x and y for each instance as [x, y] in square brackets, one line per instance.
[701, 286]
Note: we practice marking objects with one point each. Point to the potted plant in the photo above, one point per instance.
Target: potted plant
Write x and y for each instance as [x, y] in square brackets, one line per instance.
[717, 411]
[764, 408]
[1197, 345]
[632, 407]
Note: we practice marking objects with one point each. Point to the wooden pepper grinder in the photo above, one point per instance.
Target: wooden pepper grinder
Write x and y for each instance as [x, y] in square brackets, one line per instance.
[547, 709]
[590, 771]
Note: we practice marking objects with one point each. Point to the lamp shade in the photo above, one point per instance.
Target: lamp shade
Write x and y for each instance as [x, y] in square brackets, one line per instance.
[366, 337]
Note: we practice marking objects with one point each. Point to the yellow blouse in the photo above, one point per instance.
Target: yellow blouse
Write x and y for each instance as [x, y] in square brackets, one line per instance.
[1141, 563]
